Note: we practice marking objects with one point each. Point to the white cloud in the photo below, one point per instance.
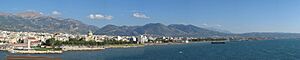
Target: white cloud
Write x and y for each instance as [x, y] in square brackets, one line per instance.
[204, 24]
[209, 25]
[100, 17]
[219, 25]
[140, 15]
[56, 13]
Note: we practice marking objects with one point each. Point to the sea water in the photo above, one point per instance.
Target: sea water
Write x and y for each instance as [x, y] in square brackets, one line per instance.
[288, 49]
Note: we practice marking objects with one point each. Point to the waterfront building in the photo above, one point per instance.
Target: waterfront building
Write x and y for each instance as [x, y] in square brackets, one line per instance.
[151, 38]
[142, 39]
[60, 36]
[14, 40]
[32, 41]
[2, 38]
[99, 38]
[132, 39]
[20, 46]
[89, 36]
[28, 42]
[117, 38]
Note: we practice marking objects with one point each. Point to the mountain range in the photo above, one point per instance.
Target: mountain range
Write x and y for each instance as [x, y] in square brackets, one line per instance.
[35, 22]
[158, 29]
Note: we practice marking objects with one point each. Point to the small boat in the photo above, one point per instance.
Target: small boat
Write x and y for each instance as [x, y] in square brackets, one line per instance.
[13, 51]
[185, 41]
[217, 42]
[180, 52]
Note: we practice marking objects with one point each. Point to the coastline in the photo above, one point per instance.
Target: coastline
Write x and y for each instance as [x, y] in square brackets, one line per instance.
[85, 48]
[153, 44]
[36, 52]
[74, 48]
[124, 46]
[90, 48]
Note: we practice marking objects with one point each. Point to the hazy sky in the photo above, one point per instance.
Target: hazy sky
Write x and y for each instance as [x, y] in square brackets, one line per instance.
[232, 15]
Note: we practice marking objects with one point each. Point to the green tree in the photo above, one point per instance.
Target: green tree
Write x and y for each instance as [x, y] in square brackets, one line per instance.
[50, 42]
[20, 41]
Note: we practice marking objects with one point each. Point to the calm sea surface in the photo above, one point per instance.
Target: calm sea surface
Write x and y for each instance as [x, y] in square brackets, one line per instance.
[242, 50]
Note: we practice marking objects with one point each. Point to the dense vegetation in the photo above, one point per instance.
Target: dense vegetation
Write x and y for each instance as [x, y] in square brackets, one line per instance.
[3, 41]
[78, 42]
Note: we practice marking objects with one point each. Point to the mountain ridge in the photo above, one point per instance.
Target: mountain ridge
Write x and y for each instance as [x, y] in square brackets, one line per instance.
[35, 22]
[43, 24]
[159, 30]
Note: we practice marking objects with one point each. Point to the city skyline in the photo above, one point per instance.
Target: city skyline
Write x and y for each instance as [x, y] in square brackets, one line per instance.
[236, 16]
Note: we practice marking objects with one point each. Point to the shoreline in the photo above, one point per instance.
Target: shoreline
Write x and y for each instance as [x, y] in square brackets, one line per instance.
[84, 48]
[35, 52]
[79, 48]
[124, 46]
[94, 48]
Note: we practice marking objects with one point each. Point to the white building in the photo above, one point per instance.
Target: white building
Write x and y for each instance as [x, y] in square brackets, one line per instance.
[142, 39]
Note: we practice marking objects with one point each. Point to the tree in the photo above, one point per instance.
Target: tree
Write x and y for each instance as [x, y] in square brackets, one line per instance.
[57, 43]
[50, 42]
[20, 41]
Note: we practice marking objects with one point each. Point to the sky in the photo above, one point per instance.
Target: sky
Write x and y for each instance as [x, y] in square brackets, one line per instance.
[238, 16]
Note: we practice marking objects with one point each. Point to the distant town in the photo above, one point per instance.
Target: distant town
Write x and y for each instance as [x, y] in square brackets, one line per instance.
[33, 42]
